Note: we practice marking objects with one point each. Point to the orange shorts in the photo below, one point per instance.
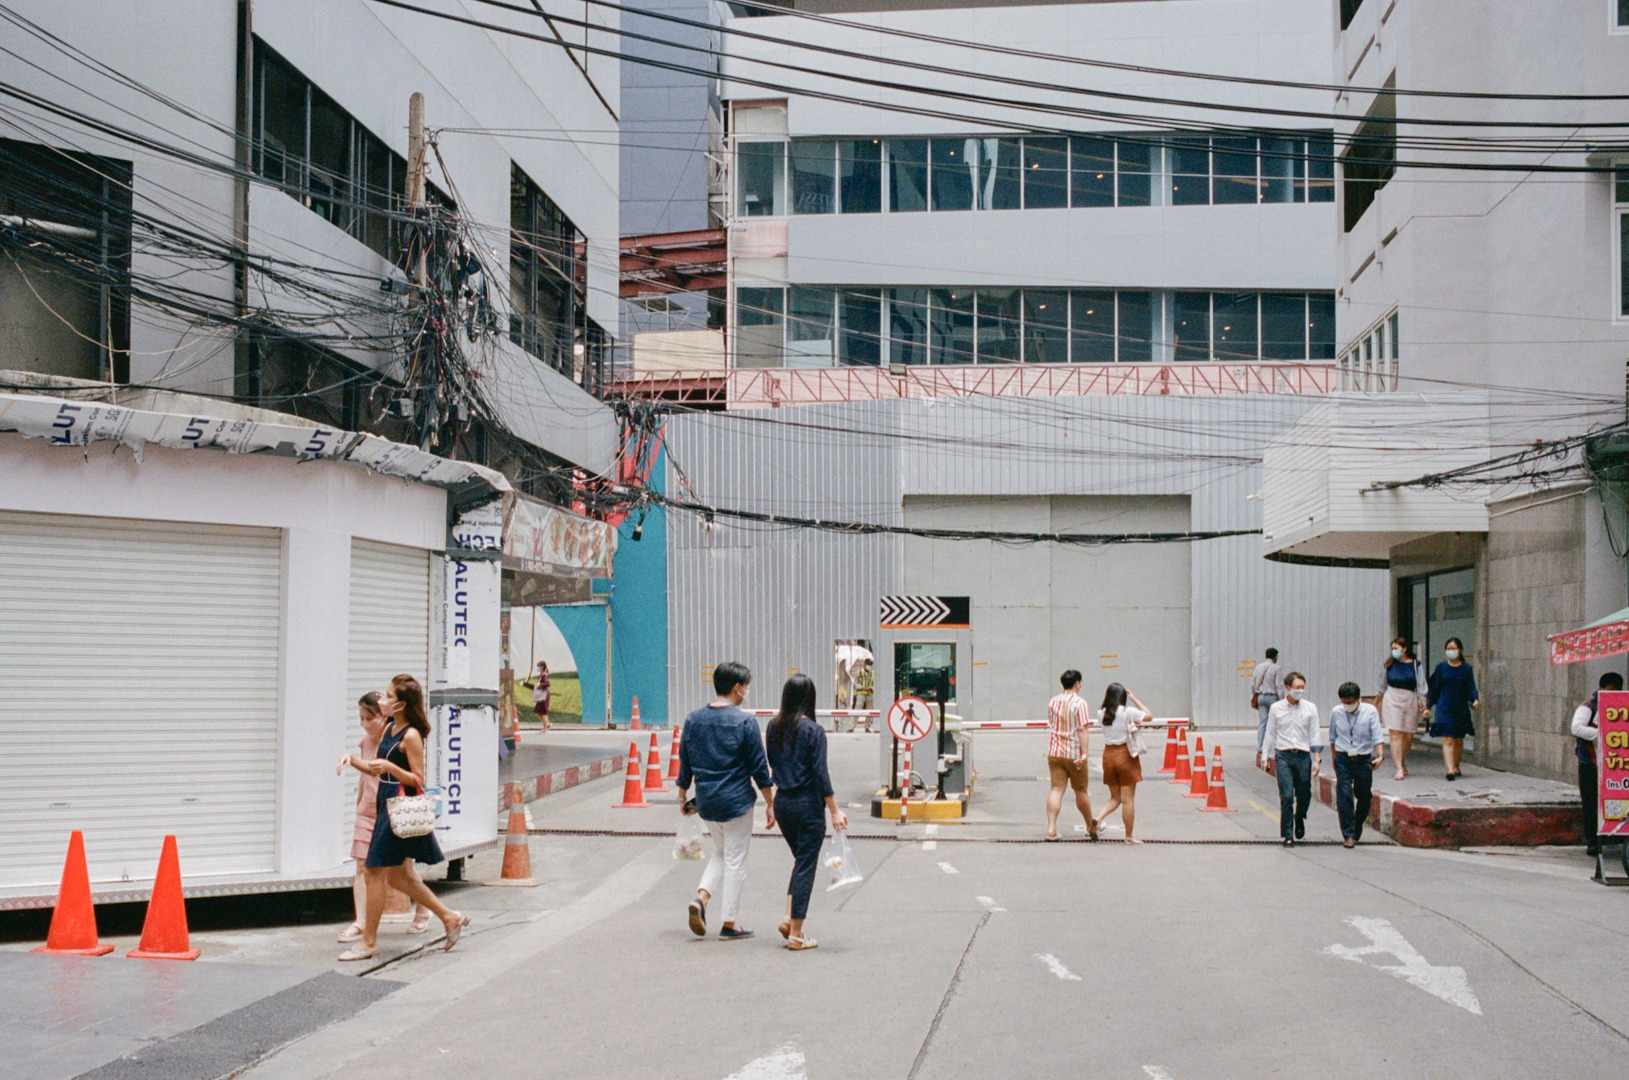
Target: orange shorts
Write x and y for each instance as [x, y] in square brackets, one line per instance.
[1064, 771]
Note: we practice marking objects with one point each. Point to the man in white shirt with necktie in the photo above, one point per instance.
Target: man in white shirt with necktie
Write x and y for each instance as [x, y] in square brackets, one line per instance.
[1293, 748]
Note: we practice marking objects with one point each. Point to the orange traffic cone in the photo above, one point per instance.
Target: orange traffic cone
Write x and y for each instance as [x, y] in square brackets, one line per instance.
[1171, 745]
[517, 852]
[164, 931]
[73, 921]
[1183, 775]
[633, 796]
[1200, 784]
[653, 767]
[634, 725]
[673, 756]
[1217, 803]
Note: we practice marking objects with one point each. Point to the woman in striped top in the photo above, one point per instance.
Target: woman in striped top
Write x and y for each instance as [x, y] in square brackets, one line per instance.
[1067, 718]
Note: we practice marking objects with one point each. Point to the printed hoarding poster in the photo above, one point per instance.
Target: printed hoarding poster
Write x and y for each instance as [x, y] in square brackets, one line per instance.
[1612, 755]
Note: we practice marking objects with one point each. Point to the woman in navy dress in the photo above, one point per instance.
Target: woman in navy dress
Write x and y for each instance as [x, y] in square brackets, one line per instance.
[399, 764]
[1453, 695]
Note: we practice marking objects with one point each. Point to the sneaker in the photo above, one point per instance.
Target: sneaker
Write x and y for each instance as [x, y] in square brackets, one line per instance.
[698, 918]
[734, 933]
[1300, 828]
[1288, 842]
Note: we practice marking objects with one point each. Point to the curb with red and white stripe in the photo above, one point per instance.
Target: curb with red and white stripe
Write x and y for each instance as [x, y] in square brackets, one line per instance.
[1414, 824]
[535, 787]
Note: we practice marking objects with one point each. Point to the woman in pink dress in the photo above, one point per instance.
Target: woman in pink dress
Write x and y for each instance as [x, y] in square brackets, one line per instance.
[373, 726]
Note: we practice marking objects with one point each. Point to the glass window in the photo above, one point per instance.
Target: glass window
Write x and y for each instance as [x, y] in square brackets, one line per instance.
[1284, 326]
[1321, 327]
[1135, 171]
[761, 169]
[330, 160]
[1318, 299]
[907, 175]
[1234, 160]
[1623, 12]
[374, 228]
[1623, 262]
[951, 323]
[1190, 170]
[1001, 180]
[282, 121]
[1236, 337]
[1093, 172]
[1137, 329]
[1046, 326]
[907, 326]
[759, 307]
[1349, 11]
[810, 327]
[860, 322]
[1320, 168]
[859, 175]
[1283, 176]
[1369, 160]
[1190, 326]
[1046, 172]
[814, 176]
[1092, 326]
[954, 169]
[1000, 325]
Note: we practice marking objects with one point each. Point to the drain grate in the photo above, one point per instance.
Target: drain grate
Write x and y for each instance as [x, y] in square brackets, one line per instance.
[988, 779]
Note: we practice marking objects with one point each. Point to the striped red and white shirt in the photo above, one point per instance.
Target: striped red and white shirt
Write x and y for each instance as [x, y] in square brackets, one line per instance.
[1066, 720]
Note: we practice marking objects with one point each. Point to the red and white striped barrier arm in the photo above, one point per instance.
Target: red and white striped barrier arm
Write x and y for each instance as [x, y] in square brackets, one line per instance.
[1031, 725]
[863, 713]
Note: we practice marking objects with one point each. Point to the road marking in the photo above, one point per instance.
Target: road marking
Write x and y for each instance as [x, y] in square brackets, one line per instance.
[1266, 813]
[930, 830]
[989, 902]
[1054, 965]
[930, 845]
[1156, 1072]
[783, 1063]
[1447, 983]
[947, 868]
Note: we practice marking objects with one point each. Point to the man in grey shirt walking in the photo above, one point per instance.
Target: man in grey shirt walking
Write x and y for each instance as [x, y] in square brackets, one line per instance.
[1266, 687]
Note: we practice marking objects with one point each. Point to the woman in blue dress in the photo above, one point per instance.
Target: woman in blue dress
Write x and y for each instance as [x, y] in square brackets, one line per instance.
[399, 765]
[1452, 698]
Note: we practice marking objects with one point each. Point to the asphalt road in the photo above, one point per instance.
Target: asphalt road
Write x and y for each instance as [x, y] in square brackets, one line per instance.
[969, 953]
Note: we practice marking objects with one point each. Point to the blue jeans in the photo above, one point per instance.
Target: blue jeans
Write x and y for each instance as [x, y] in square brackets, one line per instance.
[1354, 779]
[1263, 703]
[1294, 771]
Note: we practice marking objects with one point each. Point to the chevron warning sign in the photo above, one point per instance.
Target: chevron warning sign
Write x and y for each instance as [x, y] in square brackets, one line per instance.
[920, 612]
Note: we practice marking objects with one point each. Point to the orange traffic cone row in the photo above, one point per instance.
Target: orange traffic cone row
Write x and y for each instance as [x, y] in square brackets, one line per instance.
[73, 921]
[1217, 802]
[673, 756]
[164, 932]
[517, 852]
[653, 767]
[1183, 775]
[1199, 785]
[634, 725]
[633, 796]
[1171, 732]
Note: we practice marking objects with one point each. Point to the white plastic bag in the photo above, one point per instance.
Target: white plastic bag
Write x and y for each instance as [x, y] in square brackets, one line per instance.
[841, 869]
[690, 841]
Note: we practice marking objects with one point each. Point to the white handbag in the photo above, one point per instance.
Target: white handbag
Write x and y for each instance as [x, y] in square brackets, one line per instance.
[1134, 743]
[411, 815]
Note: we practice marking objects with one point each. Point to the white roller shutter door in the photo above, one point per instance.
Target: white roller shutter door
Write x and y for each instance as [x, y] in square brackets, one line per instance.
[389, 635]
[138, 695]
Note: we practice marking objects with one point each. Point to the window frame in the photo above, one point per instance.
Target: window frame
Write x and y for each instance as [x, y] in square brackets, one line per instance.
[1618, 190]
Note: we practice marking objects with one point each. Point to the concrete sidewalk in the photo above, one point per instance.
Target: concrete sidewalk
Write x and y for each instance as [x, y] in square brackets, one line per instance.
[1483, 807]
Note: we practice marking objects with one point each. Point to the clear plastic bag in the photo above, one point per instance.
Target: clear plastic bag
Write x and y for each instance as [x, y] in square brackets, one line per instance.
[841, 869]
[690, 841]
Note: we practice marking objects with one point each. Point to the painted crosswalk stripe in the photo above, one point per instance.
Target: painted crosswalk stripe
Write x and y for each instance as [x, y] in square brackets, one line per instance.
[1054, 965]
[930, 845]
[947, 868]
[989, 902]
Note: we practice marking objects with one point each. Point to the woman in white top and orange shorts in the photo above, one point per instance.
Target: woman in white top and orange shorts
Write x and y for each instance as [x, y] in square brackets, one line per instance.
[1122, 770]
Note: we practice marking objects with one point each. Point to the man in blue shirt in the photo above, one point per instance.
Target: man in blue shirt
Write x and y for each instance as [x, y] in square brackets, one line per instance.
[721, 751]
[1357, 742]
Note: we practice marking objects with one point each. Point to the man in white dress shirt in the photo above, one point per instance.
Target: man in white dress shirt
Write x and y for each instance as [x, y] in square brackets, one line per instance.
[1292, 745]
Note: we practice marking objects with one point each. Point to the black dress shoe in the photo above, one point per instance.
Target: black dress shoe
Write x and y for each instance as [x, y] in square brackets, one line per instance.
[1288, 842]
[1300, 829]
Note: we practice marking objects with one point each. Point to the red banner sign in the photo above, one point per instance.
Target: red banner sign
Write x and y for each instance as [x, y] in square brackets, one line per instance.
[1612, 756]
[1590, 643]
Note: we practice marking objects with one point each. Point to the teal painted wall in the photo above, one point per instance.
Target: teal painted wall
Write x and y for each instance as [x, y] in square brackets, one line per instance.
[583, 627]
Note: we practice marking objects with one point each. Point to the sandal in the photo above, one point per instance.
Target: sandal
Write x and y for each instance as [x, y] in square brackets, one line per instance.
[419, 926]
[798, 944]
[786, 930]
[1051, 836]
[454, 929]
[1091, 828]
[351, 933]
[356, 953]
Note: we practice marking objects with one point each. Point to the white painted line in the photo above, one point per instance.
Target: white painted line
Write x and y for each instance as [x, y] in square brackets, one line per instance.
[1447, 983]
[947, 868]
[1156, 1072]
[930, 830]
[930, 845]
[989, 902]
[1054, 965]
[784, 1063]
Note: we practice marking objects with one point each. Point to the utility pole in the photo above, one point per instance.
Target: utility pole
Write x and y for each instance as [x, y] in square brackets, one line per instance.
[418, 370]
[415, 177]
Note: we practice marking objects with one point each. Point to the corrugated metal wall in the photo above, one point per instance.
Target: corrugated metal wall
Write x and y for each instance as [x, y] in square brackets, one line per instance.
[776, 598]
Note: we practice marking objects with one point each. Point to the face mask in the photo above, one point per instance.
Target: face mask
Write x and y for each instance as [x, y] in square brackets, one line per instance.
[1452, 654]
[1294, 695]
[1397, 654]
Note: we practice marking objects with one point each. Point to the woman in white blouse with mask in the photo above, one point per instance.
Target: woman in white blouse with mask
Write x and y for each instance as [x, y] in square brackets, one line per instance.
[1122, 770]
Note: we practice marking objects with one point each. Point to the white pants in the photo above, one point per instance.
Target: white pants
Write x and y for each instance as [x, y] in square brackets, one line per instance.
[727, 861]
